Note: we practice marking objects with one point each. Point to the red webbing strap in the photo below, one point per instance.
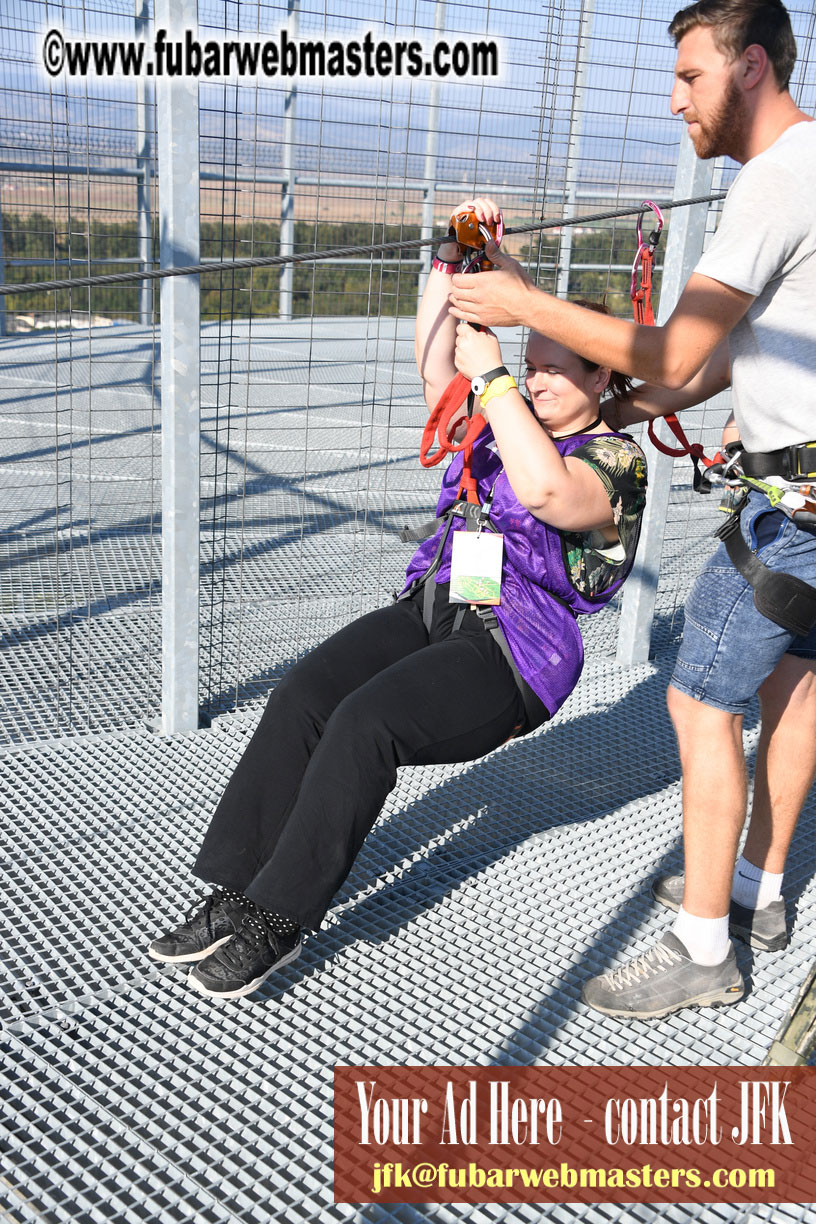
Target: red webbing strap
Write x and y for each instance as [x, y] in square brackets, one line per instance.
[642, 305]
[642, 296]
[644, 313]
[693, 449]
[686, 448]
[439, 427]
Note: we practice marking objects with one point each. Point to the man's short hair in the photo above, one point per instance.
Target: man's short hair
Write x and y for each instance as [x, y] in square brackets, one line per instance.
[737, 24]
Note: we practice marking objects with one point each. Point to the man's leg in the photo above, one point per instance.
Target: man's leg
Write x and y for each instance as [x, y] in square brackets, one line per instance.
[786, 761]
[785, 769]
[728, 650]
[714, 799]
[694, 964]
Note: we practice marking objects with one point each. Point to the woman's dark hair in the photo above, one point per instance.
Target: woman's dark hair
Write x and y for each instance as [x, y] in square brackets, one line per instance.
[619, 385]
[737, 24]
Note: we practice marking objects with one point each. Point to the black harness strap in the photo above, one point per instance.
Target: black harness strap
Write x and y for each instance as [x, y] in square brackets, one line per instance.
[418, 535]
[791, 462]
[428, 597]
[783, 598]
[491, 623]
[460, 508]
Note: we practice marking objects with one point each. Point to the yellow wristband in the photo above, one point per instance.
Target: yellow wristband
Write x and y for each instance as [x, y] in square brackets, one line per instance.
[497, 387]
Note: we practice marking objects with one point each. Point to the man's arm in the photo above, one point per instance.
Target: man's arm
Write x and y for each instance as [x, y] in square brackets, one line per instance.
[667, 356]
[647, 402]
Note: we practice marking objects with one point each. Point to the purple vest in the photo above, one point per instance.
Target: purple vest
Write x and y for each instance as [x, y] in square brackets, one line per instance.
[542, 633]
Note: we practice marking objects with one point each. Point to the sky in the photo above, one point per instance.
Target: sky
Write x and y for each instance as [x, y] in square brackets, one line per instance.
[514, 132]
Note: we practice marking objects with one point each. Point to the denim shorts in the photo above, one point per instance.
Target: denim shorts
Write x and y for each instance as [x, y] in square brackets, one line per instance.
[728, 647]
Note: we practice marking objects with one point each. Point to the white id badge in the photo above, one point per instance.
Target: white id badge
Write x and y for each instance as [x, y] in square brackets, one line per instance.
[476, 565]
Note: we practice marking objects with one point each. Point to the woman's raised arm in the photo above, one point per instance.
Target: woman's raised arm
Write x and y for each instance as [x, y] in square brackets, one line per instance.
[435, 334]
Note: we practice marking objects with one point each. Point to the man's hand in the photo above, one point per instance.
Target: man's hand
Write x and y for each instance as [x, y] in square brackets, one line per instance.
[496, 297]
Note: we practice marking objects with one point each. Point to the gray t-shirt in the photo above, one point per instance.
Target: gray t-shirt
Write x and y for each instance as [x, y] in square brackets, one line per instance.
[766, 246]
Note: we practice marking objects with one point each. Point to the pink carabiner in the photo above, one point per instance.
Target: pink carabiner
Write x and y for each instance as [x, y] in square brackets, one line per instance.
[644, 246]
[659, 216]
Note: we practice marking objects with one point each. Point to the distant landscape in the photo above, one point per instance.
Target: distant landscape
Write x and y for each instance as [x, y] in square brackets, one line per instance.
[372, 287]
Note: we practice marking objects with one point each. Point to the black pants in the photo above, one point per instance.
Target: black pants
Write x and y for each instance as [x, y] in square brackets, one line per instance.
[380, 693]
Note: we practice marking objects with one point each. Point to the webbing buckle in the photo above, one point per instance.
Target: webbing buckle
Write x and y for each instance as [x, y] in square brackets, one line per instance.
[488, 617]
[793, 455]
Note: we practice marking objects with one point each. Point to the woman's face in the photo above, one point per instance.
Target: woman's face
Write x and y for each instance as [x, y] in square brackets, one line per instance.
[565, 395]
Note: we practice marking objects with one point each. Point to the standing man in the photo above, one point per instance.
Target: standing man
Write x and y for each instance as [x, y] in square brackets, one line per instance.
[748, 316]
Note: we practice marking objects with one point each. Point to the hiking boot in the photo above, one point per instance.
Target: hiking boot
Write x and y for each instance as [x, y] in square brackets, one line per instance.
[663, 980]
[207, 924]
[247, 960]
[764, 929]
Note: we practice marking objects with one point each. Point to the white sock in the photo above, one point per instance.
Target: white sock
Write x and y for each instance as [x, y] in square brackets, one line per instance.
[753, 887]
[706, 939]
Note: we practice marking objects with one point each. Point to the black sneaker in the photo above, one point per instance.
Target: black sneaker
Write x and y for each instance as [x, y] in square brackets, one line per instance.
[207, 925]
[247, 960]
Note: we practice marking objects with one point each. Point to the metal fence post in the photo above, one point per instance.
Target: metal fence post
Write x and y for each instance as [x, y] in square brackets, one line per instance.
[287, 214]
[3, 299]
[177, 102]
[683, 249]
[144, 236]
[574, 147]
[429, 172]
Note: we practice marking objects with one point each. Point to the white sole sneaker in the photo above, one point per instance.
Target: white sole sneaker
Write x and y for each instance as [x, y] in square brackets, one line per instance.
[196, 984]
[188, 957]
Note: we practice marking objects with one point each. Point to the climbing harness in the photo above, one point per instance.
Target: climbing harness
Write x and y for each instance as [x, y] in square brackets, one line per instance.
[472, 235]
[783, 598]
[477, 518]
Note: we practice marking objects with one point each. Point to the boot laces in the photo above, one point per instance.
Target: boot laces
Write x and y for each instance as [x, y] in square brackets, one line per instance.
[642, 967]
[257, 932]
[204, 905]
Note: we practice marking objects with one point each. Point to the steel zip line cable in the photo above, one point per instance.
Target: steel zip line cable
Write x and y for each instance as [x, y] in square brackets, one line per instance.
[273, 261]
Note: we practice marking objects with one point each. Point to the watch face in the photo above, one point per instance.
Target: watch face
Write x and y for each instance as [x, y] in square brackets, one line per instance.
[478, 385]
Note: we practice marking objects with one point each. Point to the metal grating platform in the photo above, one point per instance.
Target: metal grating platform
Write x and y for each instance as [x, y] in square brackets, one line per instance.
[483, 898]
[480, 902]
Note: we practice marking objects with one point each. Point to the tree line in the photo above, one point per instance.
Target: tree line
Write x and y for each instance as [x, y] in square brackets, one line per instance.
[370, 288]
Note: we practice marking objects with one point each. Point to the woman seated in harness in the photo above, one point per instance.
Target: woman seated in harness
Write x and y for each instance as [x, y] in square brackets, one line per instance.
[425, 680]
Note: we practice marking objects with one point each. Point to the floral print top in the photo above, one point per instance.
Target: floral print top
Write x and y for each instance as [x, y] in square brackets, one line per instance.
[592, 563]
